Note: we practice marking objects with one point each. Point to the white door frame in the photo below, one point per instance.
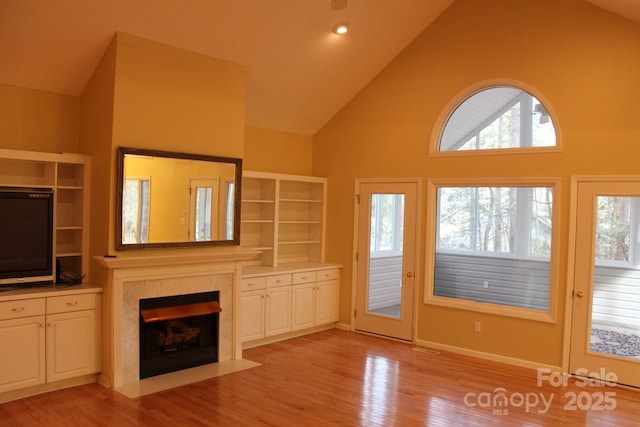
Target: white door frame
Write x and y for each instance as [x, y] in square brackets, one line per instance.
[571, 252]
[418, 254]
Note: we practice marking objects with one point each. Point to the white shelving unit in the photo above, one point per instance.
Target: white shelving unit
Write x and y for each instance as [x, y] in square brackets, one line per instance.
[284, 217]
[67, 174]
[290, 290]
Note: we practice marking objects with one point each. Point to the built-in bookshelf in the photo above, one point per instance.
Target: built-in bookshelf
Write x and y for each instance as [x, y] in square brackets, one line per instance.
[67, 175]
[283, 216]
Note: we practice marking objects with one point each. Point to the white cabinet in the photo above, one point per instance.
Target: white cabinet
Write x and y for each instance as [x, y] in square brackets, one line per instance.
[284, 217]
[278, 311]
[315, 298]
[48, 338]
[72, 336]
[303, 306]
[252, 315]
[265, 306]
[23, 353]
[326, 302]
[274, 302]
[67, 175]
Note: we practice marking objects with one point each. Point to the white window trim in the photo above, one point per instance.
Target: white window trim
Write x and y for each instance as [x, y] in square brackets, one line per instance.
[460, 97]
[433, 184]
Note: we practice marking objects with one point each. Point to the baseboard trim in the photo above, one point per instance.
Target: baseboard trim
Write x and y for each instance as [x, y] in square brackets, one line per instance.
[343, 326]
[45, 388]
[288, 335]
[523, 363]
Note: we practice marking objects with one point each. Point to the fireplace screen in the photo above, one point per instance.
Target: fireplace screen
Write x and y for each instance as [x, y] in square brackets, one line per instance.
[178, 332]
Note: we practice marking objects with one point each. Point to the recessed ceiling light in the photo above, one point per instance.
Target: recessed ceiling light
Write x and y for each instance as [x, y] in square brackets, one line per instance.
[341, 28]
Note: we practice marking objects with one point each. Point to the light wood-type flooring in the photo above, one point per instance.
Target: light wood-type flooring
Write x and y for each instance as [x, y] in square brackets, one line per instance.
[344, 379]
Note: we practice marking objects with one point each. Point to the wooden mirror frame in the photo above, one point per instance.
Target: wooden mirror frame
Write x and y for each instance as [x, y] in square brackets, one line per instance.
[123, 151]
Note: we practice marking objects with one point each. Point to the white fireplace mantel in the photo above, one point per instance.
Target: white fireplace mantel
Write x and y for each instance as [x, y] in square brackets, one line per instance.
[131, 278]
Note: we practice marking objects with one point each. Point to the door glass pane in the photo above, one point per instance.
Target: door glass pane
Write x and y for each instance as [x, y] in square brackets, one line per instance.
[385, 254]
[615, 318]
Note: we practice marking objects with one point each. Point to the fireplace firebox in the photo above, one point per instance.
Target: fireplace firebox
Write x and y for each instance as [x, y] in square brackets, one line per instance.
[178, 332]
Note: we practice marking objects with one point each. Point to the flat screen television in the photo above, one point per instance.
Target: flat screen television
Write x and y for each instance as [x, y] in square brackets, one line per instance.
[26, 236]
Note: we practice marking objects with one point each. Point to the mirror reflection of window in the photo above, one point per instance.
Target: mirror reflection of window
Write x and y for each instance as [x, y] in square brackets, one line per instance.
[498, 118]
[229, 205]
[135, 201]
[204, 205]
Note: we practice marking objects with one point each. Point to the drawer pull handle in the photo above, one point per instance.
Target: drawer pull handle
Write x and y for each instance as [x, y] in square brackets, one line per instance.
[17, 309]
[72, 303]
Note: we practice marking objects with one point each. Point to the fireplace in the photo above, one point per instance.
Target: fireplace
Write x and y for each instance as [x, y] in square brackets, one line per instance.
[178, 332]
[136, 278]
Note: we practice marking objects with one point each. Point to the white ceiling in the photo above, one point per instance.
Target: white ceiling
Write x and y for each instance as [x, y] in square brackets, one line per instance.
[299, 74]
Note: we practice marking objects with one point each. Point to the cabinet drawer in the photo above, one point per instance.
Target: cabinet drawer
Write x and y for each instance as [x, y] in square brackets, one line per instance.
[21, 308]
[328, 274]
[278, 280]
[252, 283]
[63, 304]
[306, 277]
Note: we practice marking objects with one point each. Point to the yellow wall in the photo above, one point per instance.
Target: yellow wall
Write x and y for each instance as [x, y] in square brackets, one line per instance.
[279, 152]
[582, 61]
[171, 99]
[35, 120]
[96, 128]
[169, 196]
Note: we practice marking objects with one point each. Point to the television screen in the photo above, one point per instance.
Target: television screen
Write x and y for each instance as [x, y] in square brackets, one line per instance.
[26, 236]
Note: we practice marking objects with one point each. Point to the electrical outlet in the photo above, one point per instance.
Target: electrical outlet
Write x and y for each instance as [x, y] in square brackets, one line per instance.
[476, 326]
[485, 284]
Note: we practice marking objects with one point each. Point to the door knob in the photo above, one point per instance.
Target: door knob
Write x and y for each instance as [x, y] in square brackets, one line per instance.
[580, 294]
[409, 274]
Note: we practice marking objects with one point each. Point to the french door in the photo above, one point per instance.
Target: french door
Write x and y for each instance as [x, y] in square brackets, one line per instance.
[387, 217]
[605, 336]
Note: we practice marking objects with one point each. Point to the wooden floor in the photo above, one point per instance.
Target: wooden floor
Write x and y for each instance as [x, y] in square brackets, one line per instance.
[342, 378]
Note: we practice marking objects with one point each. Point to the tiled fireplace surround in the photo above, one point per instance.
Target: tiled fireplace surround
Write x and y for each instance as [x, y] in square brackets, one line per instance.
[131, 279]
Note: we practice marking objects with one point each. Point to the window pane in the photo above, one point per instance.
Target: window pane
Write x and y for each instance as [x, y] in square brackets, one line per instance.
[494, 244]
[540, 236]
[497, 118]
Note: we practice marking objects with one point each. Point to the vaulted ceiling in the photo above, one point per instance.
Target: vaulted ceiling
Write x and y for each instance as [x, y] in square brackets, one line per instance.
[299, 74]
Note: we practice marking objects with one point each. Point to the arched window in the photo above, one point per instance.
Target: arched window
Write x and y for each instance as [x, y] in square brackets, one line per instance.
[500, 117]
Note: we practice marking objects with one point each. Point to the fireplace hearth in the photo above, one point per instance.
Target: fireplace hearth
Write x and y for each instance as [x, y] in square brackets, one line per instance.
[178, 332]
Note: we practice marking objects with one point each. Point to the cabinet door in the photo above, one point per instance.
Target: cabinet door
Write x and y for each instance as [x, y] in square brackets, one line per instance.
[251, 315]
[23, 353]
[71, 345]
[326, 302]
[303, 306]
[278, 311]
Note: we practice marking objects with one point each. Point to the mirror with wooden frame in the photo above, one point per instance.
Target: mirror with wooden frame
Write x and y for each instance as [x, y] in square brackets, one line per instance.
[167, 199]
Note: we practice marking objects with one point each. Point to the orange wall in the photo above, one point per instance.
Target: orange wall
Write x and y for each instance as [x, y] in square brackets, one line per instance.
[583, 62]
[280, 152]
[35, 120]
[96, 130]
[166, 98]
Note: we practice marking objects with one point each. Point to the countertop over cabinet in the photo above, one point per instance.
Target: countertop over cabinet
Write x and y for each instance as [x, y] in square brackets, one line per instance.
[45, 291]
